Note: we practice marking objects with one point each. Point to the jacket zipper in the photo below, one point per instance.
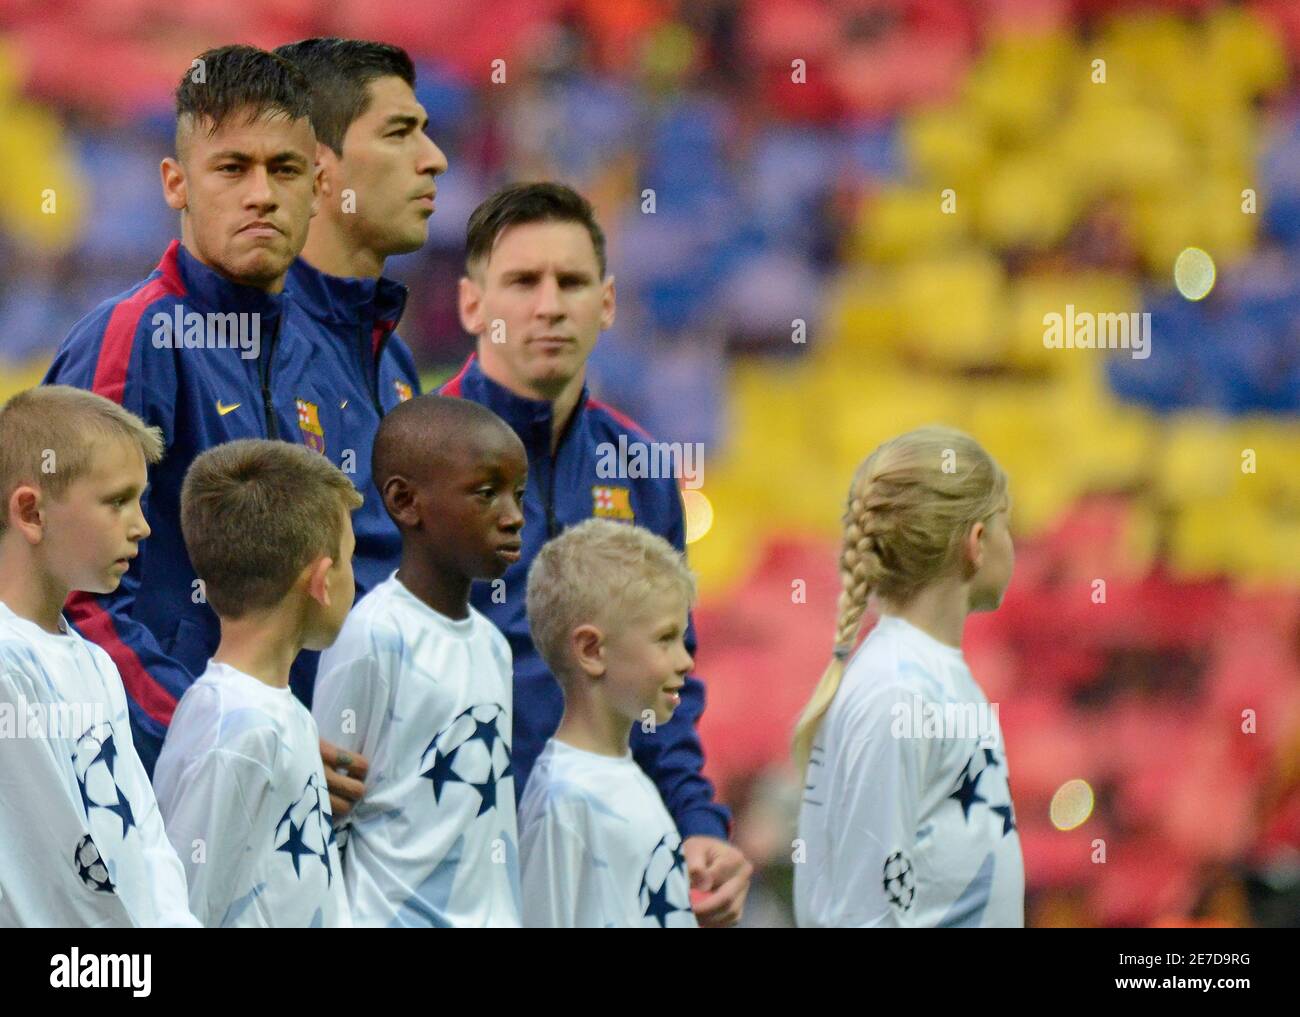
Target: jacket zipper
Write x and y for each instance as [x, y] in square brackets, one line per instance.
[370, 364]
[552, 524]
[264, 373]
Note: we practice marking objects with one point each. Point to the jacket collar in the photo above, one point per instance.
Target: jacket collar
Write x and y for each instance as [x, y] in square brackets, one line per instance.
[347, 301]
[207, 289]
[529, 418]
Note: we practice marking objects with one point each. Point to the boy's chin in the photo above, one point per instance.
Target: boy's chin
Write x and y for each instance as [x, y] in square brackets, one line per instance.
[101, 586]
[492, 568]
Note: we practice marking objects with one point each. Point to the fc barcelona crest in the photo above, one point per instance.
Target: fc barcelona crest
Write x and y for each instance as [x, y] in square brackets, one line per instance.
[403, 390]
[313, 435]
[612, 503]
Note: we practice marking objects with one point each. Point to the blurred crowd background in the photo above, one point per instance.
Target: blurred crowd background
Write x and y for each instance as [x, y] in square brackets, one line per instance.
[830, 221]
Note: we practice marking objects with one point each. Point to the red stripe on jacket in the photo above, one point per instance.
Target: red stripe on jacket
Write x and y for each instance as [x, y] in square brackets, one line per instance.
[96, 624]
[91, 619]
[119, 335]
[452, 388]
[622, 418]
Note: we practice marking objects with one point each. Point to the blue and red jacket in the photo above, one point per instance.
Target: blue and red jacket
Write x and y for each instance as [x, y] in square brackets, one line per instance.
[329, 367]
[563, 489]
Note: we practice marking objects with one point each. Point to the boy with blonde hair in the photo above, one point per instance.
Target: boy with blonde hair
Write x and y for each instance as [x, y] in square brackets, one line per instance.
[268, 527]
[83, 839]
[607, 605]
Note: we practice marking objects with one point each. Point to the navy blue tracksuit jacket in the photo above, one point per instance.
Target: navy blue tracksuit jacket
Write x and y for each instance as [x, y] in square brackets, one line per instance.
[328, 368]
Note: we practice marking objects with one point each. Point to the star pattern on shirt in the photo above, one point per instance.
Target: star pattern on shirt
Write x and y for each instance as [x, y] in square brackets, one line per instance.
[679, 860]
[657, 905]
[296, 847]
[105, 753]
[967, 793]
[1008, 817]
[317, 816]
[443, 770]
[122, 809]
[442, 757]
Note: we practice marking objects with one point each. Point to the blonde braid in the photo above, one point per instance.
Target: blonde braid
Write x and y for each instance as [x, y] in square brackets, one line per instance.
[906, 514]
[859, 567]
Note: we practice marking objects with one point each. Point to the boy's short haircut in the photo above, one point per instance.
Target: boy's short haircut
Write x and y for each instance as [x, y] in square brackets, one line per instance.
[340, 72]
[518, 204]
[255, 513]
[597, 572]
[48, 436]
[231, 79]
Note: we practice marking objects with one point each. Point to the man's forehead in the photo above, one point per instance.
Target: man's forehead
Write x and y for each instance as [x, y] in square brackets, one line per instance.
[547, 244]
[269, 131]
[391, 96]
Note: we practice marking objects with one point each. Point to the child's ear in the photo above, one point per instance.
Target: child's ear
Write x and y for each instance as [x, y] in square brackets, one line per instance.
[24, 511]
[975, 546]
[318, 580]
[588, 644]
[399, 499]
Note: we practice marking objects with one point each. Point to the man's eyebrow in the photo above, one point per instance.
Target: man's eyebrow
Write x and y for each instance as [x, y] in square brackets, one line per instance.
[288, 155]
[405, 120]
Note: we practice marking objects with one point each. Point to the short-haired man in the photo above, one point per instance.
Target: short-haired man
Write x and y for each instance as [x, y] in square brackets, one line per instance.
[378, 182]
[202, 349]
[536, 296]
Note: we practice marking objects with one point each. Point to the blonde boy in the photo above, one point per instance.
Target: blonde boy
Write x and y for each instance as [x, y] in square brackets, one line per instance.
[267, 525]
[607, 605]
[81, 833]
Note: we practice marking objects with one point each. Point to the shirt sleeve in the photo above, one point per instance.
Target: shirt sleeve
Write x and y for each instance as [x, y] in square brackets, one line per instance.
[350, 701]
[216, 808]
[42, 826]
[555, 863]
[167, 887]
[672, 755]
[876, 800]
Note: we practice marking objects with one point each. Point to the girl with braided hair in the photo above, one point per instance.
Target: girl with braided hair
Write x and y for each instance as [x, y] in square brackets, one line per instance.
[907, 817]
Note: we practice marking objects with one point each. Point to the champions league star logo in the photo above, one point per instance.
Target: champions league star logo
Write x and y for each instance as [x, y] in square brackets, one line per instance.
[471, 751]
[665, 888]
[95, 764]
[307, 829]
[92, 869]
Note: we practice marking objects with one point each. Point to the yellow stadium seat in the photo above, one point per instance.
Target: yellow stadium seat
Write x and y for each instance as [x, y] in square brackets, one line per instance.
[1197, 458]
[953, 307]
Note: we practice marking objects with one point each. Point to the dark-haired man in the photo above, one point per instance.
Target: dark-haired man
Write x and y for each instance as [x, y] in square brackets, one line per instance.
[536, 296]
[378, 182]
[244, 182]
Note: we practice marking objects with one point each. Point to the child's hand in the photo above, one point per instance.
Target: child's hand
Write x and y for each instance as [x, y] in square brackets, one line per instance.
[719, 880]
[345, 773]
